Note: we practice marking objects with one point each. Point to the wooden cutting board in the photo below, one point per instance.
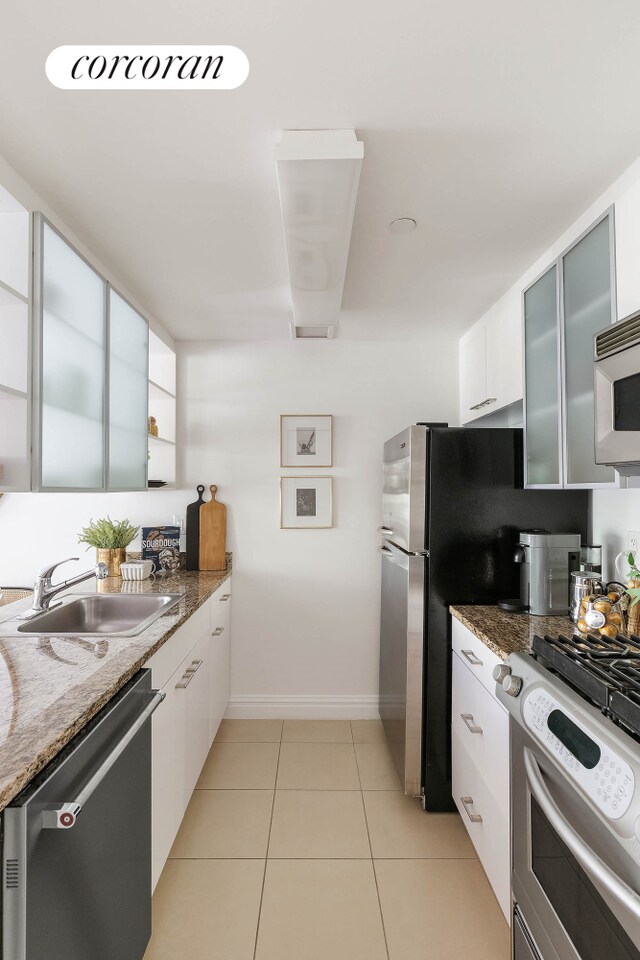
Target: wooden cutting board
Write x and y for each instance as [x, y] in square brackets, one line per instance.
[213, 533]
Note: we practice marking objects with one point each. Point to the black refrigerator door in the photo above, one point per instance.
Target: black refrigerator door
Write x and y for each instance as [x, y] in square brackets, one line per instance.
[476, 507]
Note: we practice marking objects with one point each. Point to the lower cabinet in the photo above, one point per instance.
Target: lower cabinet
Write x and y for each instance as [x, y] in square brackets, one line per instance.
[220, 655]
[192, 668]
[480, 760]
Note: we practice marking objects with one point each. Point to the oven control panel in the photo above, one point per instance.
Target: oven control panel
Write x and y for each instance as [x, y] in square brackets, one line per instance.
[596, 768]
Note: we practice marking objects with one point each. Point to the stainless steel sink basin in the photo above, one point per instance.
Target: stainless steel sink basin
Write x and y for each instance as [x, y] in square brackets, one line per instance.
[115, 615]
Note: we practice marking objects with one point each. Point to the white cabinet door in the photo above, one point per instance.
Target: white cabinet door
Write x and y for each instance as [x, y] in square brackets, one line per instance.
[71, 339]
[482, 724]
[168, 764]
[504, 358]
[474, 654]
[220, 654]
[180, 728]
[198, 706]
[480, 759]
[473, 373]
[486, 822]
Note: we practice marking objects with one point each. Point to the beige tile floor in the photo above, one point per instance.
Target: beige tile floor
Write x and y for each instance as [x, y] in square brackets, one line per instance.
[298, 844]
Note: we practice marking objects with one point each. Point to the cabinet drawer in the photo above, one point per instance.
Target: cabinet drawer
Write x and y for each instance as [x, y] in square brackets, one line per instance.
[168, 658]
[490, 833]
[180, 743]
[475, 654]
[482, 724]
[221, 605]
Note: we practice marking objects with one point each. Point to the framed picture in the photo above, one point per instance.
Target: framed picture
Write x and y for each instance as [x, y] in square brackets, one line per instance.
[306, 502]
[305, 441]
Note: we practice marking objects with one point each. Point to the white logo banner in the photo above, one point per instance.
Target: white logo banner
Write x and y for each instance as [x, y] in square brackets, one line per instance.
[146, 67]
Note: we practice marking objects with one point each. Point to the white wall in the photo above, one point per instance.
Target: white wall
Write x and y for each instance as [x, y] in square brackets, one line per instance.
[306, 602]
[40, 528]
[615, 514]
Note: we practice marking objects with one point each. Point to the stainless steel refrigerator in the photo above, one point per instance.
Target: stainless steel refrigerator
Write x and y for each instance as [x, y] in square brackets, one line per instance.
[453, 504]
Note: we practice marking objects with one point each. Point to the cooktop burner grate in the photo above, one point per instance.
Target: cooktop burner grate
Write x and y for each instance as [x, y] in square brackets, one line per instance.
[606, 671]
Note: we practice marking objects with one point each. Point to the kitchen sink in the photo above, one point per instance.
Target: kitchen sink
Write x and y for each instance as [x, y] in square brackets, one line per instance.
[115, 615]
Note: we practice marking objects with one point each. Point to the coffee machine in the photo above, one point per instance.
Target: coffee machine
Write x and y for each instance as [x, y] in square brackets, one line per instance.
[547, 561]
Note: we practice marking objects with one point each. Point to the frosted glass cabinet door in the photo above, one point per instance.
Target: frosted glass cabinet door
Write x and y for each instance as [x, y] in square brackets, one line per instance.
[128, 395]
[542, 402]
[72, 374]
[587, 308]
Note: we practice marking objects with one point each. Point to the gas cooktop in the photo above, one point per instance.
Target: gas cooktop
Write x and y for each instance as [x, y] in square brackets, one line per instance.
[605, 671]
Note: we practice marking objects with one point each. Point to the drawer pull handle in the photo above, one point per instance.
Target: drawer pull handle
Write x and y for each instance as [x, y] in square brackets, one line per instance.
[470, 724]
[195, 666]
[217, 631]
[470, 656]
[225, 597]
[466, 803]
[186, 680]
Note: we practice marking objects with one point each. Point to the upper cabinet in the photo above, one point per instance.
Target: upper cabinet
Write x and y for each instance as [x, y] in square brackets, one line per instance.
[70, 336]
[91, 352]
[588, 305]
[542, 380]
[490, 365]
[80, 372]
[562, 311]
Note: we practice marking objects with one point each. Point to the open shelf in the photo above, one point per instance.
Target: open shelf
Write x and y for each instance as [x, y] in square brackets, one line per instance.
[162, 406]
[156, 392]
[13, 392]
[14, 441]
[162, 364]
[162, 461]
[7, 289]
[14, 337]
[14, 245]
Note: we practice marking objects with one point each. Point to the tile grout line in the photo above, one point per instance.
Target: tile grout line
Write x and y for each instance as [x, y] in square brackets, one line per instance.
[373, 863]
[266, 856]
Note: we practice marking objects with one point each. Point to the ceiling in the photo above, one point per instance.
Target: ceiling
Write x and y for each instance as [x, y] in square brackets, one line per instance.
[493, 124]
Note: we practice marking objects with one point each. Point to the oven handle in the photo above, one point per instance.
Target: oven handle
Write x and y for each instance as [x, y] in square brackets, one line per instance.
[64, 816]
[590, 862]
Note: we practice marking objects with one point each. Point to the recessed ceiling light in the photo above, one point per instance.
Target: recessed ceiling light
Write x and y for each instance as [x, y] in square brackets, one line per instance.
[403, 225]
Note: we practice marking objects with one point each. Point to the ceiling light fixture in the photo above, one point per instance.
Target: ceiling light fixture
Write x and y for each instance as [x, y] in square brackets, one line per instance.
[403, 225]
[318, 174]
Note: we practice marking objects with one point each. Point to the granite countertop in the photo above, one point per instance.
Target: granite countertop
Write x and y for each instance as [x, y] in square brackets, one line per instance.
[50, 687]
[506, 633]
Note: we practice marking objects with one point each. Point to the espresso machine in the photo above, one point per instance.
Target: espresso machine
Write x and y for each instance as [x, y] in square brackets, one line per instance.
[547, 561]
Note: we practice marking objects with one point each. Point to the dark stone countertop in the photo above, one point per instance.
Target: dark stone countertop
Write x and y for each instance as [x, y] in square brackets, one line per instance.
[50, 687]
[506, 633]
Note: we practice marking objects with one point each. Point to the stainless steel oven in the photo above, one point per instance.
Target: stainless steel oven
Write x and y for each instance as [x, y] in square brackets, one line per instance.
[575, 785]
[617, 395]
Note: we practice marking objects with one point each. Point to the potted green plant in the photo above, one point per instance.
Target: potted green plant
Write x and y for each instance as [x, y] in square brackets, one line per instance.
[110, 538]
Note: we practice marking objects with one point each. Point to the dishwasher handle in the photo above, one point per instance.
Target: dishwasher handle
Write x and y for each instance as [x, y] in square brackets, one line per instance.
[64, 816]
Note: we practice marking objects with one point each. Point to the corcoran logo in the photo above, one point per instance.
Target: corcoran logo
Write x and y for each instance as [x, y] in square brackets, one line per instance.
[128, 67]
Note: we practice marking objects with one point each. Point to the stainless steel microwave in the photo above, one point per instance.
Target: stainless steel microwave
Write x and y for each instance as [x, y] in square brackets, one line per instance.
[617, 395]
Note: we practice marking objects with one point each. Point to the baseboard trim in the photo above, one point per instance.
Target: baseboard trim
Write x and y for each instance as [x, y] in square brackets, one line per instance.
[302, 708]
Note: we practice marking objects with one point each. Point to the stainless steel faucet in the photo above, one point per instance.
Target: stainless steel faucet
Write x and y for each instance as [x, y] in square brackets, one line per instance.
[44, 591]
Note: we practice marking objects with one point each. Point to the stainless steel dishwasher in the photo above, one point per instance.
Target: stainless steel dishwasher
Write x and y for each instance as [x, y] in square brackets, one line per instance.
[76, 844]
